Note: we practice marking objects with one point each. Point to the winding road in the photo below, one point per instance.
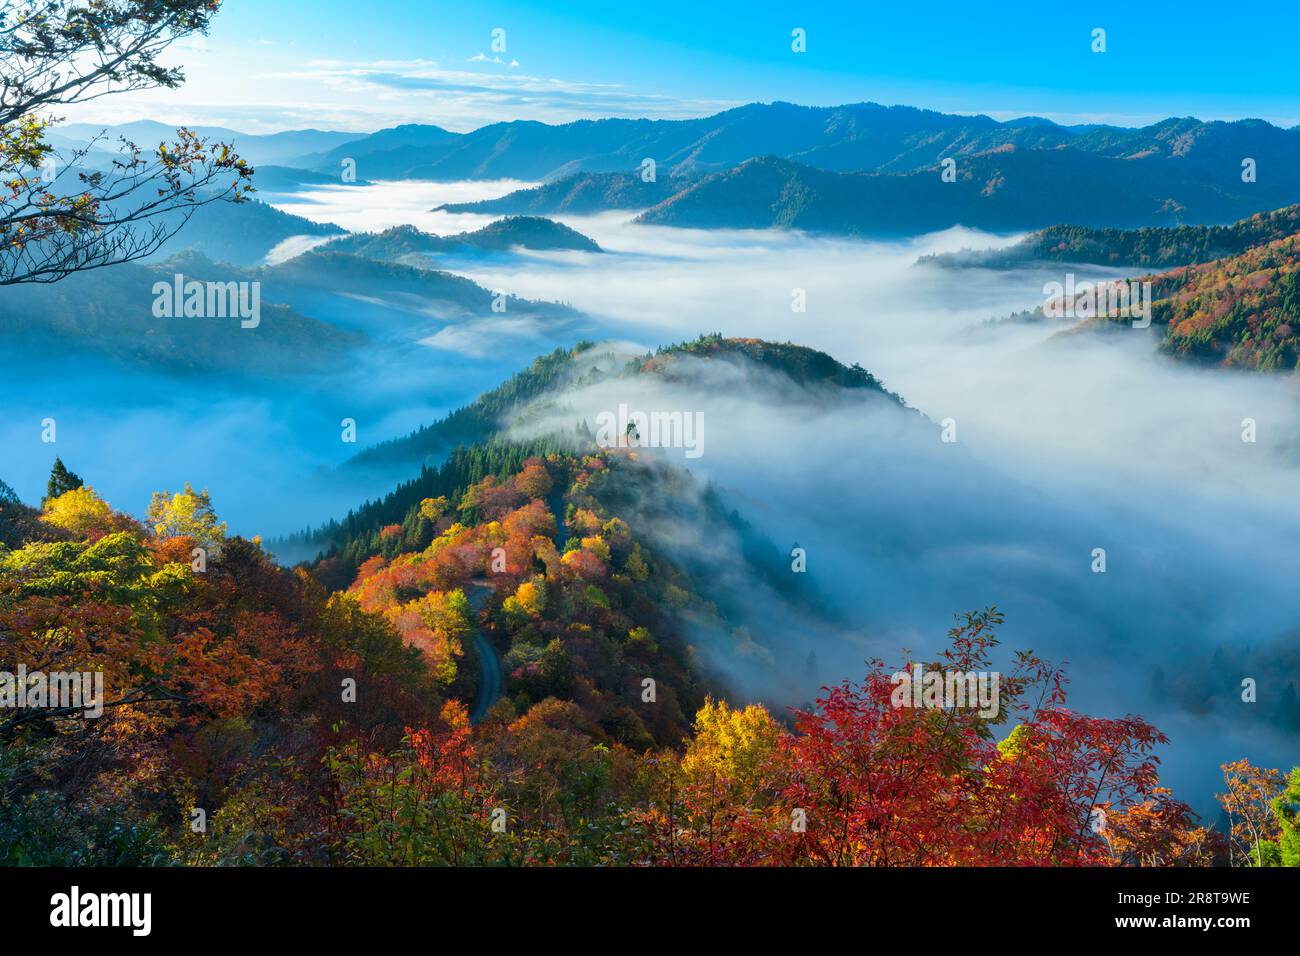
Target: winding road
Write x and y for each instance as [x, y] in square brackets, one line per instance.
[490, 682]
[489, 664]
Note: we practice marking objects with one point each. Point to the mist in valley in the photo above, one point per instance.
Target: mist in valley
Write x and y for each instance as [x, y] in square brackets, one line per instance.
[1064, 445]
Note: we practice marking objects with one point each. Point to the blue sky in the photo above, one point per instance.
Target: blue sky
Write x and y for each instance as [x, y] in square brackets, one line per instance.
[354, 65]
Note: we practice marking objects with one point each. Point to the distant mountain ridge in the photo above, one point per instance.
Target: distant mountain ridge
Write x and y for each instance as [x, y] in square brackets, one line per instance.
[257, 148]
[848, 138]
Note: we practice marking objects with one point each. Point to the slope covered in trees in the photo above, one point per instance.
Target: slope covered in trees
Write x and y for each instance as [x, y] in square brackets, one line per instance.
[314, 725]
[1152, 247]
[1005, 189]
[586, 364]
[409, 244]
[111, 312]
[577, 195]
[1242, 311]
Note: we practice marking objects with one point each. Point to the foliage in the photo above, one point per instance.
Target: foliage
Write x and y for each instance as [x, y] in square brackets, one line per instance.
[333, 728]
[186, 514]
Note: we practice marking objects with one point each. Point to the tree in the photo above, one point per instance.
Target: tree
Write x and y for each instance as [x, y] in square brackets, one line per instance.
[80, 511]
[62, 213]
[188, 513]
[528, 600]
[61, 481]
[1286, 811]
[534, 480]
[1253, 830]
[433, 508]
[865, 781]
[1161, 831]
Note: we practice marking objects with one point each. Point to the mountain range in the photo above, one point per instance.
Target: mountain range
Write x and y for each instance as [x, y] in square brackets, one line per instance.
[853, 137]
[859, 169]
[269, 148]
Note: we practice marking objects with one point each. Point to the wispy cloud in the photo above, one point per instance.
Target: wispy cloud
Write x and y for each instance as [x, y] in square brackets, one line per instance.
[467, 98]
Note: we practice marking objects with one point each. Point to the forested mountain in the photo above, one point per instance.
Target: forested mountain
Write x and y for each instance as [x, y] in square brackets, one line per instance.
[241, 234]
[578, 194]
[542, 657]
[423, 290]
[476, 422]
[110, 312]
[585, 365]
[322, 545]
[1151, 247]
[1003, 190]
[1242, 311]
[411, 245]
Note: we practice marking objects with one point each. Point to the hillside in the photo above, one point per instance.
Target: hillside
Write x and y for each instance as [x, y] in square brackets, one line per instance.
[109, 312]
[399, 285]
[518, 644]
[587, 364]
[1241, 311]
[409, 244]
[578, 195]
[1005, 190]
[1151, 247]
[305, 314]
[240, 234]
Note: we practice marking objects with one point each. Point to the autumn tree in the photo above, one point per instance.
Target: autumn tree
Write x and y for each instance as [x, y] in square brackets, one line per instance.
[1160, 831]
[1253, 829]
[82, 512]
[865, 781]
[186, 514]
[731, 775]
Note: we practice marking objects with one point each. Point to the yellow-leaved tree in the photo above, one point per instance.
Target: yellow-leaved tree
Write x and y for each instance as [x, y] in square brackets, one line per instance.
[186, 514]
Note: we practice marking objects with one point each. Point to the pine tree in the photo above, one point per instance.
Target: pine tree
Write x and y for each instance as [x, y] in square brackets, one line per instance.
[61, 481]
